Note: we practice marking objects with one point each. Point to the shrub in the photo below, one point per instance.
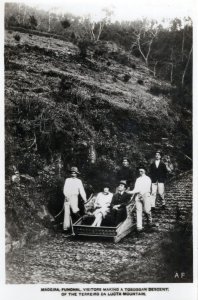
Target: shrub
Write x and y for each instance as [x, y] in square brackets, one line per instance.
[83, 47]
[140, 81]
[33, 22]
[17, 37]
[12, 21]
[157, 90]
[65, 85]
[126, 77]
[133, 66]
[65, 23]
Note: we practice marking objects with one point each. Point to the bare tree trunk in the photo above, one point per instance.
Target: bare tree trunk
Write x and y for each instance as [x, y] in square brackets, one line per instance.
[171, 74]
[171, 63]
[186, 67]
[49, 27]
[149, 50]
[182, 57]
[24, 15]
[19, 12]
[145, 56]
[100, 31]
[92, 26]
[154, 70]
[139, 47]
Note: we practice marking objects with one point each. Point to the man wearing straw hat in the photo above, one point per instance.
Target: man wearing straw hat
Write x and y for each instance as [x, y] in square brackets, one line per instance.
[73, 187]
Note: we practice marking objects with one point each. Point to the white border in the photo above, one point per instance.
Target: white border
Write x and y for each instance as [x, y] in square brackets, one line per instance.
[180, 291]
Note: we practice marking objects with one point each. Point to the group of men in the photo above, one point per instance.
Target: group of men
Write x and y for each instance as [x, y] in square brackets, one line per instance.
[112, 208]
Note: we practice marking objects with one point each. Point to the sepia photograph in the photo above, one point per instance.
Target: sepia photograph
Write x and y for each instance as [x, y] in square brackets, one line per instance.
[98, 141]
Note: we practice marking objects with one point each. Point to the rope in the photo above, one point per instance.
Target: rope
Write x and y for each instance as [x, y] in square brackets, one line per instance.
[63, 206]
[59, 213]
[89, 199]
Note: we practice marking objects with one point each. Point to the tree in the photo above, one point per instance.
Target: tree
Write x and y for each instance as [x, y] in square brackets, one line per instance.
[94, 28]
[33, 22]
[186, 67]
[65, 24]
[144, 32]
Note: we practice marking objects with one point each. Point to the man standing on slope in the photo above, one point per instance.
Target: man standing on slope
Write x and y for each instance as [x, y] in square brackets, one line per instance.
[125, 173]
[158, 173]
[73, 187]
[142, 190]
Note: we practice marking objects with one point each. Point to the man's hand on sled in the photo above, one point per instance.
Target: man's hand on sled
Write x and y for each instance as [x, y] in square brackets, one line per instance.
[116, 206]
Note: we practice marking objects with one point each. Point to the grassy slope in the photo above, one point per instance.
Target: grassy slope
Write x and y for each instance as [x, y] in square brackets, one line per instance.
[57, 103]
[40, 63]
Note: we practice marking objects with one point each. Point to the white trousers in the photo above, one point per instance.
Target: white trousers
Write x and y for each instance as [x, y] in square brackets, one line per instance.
[143, 203]
[157, 188]
[71, 202]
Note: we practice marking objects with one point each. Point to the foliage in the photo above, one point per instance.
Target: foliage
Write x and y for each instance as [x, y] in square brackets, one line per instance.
[83, 46]
[159, 90]
[33, 22]
[140, 81]
[17, 37]
[65, 24]
[127, 77]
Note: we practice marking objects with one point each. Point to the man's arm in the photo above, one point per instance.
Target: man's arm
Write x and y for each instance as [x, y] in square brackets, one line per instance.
[82, 191]
[165, 171]
[64, 188]
[150, 173]
[136, 188]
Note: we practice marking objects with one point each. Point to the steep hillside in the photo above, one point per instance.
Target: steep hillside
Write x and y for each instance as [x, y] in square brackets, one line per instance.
[59, 105]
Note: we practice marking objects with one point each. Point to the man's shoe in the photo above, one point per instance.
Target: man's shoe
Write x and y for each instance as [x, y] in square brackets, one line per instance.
[139, 232]
[151, 227]
[67, 232]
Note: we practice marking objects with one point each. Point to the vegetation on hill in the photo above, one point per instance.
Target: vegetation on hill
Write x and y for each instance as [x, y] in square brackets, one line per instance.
[67, 101]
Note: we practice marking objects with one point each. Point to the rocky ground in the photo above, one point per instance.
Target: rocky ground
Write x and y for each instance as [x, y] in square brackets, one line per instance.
[152, 257]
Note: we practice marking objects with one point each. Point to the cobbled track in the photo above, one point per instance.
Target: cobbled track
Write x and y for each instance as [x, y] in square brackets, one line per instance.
[57, 259]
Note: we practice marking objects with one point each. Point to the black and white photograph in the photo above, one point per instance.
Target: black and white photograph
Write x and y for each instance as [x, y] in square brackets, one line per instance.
[98, 149]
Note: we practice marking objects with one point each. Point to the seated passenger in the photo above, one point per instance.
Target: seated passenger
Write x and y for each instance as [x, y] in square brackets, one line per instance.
[102, 205]
[118, 212]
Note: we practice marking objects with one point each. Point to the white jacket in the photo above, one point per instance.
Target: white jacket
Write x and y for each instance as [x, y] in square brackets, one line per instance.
[74, 187]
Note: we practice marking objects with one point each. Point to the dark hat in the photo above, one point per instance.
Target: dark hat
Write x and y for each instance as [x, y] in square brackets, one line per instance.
[125, 158]
[106, 184]
[74, 169]
[123, 182]
[158, 151]
[141, 167]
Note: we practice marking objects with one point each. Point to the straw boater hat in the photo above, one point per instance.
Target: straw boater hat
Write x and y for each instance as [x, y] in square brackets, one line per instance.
[75, 170]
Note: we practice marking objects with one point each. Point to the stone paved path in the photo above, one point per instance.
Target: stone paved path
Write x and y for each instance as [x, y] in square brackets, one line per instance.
[56, 259]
